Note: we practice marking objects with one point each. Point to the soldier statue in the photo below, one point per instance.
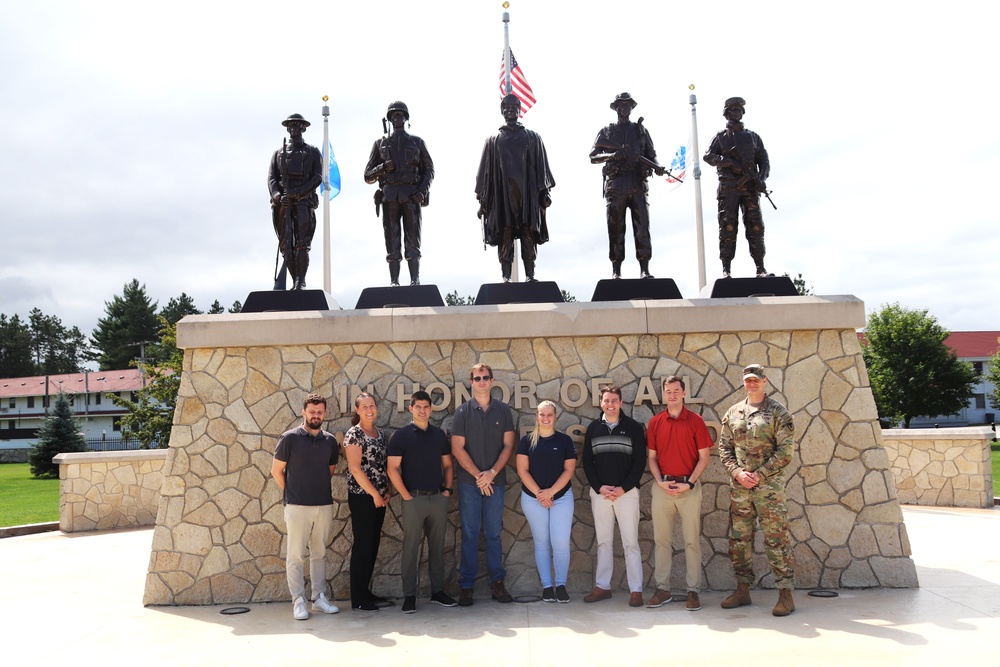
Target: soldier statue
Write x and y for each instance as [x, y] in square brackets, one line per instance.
[626, 150]
[512, 186]
[741, 160]
[404, 170]
[295, 173]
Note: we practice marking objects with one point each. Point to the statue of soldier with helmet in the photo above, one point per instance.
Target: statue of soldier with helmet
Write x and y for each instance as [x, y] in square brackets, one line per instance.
[739, 156]
[403, 168]
[296, 171]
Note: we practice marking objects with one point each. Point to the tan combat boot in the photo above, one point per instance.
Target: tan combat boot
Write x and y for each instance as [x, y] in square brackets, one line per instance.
[738, 599]
[785, 605]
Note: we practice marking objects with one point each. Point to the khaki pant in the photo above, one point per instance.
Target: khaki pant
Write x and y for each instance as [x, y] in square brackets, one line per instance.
[664, 508]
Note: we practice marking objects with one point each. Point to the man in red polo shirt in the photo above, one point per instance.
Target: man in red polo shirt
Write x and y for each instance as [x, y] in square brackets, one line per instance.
[678, 443]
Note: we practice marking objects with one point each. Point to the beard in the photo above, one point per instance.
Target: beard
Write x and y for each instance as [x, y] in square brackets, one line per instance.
[315, 423]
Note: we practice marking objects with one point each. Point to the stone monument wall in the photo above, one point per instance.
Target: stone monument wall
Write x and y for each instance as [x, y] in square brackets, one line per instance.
[220, 534]
[950, 467]
[100, 490]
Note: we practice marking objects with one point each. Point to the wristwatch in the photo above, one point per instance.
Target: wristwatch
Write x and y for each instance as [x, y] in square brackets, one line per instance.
[448, 489]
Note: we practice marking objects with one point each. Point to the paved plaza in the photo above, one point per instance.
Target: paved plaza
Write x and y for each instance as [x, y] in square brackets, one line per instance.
[77, 600]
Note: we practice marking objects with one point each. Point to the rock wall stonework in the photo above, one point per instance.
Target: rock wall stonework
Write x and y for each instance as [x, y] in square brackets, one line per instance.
[14, 455]
[220, 534]
[100, 490]
[948, 467]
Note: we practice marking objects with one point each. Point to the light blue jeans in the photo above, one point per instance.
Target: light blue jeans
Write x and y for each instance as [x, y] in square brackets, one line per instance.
[550, 531]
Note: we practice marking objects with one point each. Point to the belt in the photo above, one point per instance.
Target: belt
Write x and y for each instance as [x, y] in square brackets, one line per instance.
[425, 493]
[683, 479]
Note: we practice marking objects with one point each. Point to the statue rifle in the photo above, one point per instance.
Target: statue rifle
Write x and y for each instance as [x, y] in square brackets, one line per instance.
[750, 175]
[642, 159]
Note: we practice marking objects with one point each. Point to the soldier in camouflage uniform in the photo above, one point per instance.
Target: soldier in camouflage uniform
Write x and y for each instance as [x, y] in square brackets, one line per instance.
[755, 447]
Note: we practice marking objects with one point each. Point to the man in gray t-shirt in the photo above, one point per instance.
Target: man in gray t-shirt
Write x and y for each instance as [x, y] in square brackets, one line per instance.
[482, 440]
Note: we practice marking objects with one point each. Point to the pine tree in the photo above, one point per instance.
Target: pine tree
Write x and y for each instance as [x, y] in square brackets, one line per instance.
[151, 414]
[60, 432]
[15, 348]
[130, 323]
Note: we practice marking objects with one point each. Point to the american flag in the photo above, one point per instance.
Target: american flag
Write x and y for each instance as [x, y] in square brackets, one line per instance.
[518, 84]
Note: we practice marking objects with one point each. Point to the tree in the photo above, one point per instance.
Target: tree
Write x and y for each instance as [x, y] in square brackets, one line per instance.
[15, 348]
[236, 307]
[993, 375]
[56, 348]
[60, 432]
[178, 307]
[453, 299]
[912, 371]
[216, 308]
[152, 413]
[567, 297]
[800, 285]
[129, 323]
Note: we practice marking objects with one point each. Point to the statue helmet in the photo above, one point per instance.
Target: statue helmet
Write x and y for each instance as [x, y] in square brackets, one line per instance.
[734, 102]
[295, 118]
[398, 106]
[624, 98]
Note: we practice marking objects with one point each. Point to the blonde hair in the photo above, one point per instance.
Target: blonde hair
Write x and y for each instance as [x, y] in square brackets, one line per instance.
[533, 438]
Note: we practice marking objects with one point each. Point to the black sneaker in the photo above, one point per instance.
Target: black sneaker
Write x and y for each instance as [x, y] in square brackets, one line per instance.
[367, 605]
[443, 599]
[549, 594]
[561, 594]
[410, 604]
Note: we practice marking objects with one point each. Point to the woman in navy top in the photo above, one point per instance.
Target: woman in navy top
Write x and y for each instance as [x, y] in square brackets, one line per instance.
[546, 461]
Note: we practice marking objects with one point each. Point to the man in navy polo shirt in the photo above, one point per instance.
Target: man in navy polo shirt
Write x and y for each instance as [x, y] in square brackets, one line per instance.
[303, 465]
[419, 466]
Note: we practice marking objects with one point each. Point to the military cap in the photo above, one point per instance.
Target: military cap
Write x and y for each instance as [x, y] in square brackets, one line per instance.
[510, 99]
[754, 371]
[735, 102]
[624, 98]
[398, 106]
[295, 118]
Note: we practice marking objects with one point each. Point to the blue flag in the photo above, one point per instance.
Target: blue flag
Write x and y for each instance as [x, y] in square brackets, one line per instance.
[330, 187]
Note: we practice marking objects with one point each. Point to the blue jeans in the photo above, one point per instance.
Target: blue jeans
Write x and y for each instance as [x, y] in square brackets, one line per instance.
[478, 512]
[550, 531]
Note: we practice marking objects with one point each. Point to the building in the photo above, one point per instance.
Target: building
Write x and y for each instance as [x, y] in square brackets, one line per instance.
[24, 404]
[975, 347]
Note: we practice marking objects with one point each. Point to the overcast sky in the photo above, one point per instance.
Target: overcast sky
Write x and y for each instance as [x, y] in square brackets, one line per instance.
[136, 136]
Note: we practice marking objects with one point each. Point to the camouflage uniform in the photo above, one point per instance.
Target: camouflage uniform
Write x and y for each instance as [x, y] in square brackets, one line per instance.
[759, 440]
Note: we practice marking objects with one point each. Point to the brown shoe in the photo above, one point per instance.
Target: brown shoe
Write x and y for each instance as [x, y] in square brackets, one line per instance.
[499, 593]
[465, 597]
[785, 605]
[739, 598]
[693, 602]
[635, 600]
[597, 595]
[660, 598]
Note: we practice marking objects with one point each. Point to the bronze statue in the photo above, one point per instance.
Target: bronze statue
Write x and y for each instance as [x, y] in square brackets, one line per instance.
[626, 150]
[295, 173]
[404, 171]
[513, 186]
[741, 160]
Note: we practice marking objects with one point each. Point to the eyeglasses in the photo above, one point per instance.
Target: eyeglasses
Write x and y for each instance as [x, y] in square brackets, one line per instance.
[482, 378]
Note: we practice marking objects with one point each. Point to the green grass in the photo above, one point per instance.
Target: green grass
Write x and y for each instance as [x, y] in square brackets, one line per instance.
[24, 499]
[996, 468]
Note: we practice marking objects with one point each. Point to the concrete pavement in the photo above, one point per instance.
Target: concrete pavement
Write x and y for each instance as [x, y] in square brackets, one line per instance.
[76, 600]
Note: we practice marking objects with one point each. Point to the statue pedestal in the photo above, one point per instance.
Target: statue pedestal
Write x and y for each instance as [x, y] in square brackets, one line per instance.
[732, 288]
[276, 301]
[400, 296]
[496, 294]
[626, 289]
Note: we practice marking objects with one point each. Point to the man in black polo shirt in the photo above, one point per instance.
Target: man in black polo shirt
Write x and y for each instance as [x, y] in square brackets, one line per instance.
[303, 465]
[419, 466]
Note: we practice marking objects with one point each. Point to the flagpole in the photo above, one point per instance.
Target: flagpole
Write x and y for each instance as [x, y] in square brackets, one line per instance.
[514, 271]
[506, 46]
[326, 197]
[693, 100]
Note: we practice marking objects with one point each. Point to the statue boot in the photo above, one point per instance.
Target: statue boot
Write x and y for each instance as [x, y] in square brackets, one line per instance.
[761, 271]
[644, 269]
[616, 270]
[301, 266]
[726, 271]
[394, 273]
[414, 266]
[505, 268]
[529, 271]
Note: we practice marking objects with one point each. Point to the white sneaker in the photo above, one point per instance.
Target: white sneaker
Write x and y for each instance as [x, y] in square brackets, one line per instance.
[299, 611]
[324, 605]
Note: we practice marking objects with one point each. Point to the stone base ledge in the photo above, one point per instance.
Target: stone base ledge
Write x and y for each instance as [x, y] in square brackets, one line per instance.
[67, 458]
[539, 320]
[956, 433]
